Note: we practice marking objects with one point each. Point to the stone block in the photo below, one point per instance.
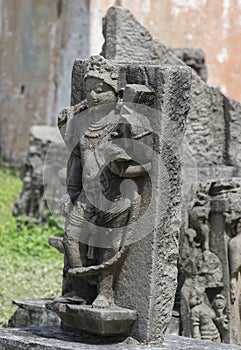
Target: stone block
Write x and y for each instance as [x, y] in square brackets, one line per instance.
[32, 313]
[110, 321]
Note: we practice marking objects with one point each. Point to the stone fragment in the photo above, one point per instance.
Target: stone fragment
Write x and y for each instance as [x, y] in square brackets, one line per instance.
[194, 58]
[211, 131]
[33, 313]
[233, 113]
[210, 261]
[41, 186]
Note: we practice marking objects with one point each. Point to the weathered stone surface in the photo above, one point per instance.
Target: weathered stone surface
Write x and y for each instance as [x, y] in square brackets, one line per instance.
[57, 243]
[32, 313]
[194, 58]
[210, 260]
[233, 113]
[191, 24]
[52, 338]
[39, 174]
[139, 43]
[217, 172]
[207, 125]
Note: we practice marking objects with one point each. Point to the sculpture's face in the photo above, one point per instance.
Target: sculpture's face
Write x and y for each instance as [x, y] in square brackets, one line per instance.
[220, 302]
[195, 298]
[98, 92]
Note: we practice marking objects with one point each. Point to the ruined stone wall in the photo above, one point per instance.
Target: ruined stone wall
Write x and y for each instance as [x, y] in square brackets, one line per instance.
[206, 124]
[213, 26]
[39, 41]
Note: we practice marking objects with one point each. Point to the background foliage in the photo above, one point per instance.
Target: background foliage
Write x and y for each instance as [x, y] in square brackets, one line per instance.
[29, 267]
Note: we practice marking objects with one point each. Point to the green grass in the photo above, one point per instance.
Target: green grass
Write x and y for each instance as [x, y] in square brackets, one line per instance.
[29, 267]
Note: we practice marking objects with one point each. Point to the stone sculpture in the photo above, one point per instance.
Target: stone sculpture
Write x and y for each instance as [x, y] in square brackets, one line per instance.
[123, 170]
[202, 318]
[32, 203]
[211, 261]
[101, 88]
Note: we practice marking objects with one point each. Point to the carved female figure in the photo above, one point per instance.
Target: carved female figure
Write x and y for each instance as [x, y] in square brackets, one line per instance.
[92, 178]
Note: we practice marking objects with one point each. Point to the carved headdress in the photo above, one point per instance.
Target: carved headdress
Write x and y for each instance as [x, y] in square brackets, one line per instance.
[99, 67]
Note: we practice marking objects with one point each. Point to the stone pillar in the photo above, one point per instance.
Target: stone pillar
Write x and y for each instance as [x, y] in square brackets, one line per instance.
[147, 279]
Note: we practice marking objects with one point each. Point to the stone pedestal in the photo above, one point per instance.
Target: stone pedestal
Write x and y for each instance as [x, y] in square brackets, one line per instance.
[110, 321]
[52, 338]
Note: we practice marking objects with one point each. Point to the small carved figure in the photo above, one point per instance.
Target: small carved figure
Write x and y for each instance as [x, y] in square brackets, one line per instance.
[208, 268]
[199, 222]
[202, 318]
[221, 320]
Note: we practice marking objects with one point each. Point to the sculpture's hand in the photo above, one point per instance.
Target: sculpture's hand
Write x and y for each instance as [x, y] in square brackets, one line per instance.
[64, 205]
[224, 321]
[115, 168]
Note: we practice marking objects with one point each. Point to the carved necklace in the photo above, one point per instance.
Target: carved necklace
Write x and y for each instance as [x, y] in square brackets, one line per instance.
[95, 133]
